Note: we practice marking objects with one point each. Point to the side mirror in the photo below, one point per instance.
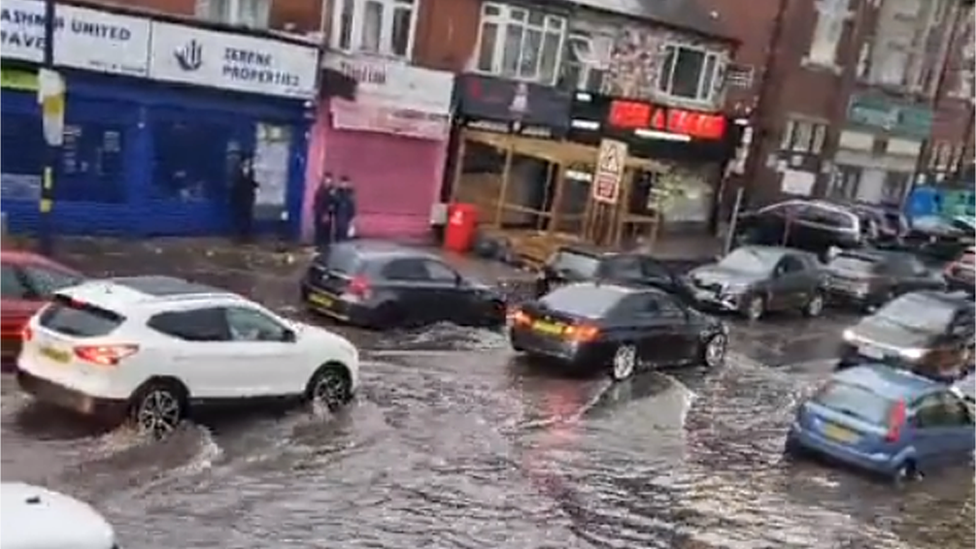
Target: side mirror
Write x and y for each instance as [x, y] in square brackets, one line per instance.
[289, 336]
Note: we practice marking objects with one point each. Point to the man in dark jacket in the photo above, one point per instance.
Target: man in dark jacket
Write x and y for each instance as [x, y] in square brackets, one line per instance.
[323, 211]
[243, 194]
[345, 209]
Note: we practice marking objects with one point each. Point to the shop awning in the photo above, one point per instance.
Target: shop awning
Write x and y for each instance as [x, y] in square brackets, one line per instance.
[557, 152]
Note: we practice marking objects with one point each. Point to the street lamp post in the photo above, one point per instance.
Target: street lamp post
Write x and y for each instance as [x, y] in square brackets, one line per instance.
[46, 237]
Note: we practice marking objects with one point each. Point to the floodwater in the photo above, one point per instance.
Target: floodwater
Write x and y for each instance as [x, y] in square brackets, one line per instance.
[455, 443]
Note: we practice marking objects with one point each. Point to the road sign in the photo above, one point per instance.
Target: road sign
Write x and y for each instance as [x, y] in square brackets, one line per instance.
[610, 164]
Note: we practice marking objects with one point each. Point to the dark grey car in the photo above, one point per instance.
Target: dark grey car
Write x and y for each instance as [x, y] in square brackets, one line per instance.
[870, 278]
[752, 280]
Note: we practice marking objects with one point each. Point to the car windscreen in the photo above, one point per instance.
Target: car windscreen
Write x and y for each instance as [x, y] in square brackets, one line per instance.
[854, 263]
[585, 301]
[575, 263]
[855, 401]
[340, 259]
[750, 260]
[76, 319]
[918, 313]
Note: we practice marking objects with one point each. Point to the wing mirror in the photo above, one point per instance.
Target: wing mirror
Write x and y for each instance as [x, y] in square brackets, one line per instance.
[289, 336]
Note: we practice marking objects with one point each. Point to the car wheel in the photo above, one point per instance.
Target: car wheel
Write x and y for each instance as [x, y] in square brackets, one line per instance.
[158, 408]
[755, 308]
[713, 352]
[792, 449]
[906, 472]
[624, 362]
[815, 306]
[330, 387]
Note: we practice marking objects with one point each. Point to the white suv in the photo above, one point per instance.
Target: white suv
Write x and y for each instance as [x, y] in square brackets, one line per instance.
[151, 348]
[32, 517]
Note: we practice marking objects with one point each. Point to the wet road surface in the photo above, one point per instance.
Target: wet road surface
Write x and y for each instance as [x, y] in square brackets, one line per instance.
[454, 442]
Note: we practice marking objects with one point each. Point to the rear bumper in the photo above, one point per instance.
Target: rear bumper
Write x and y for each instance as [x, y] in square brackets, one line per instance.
[570, 354]
[71, 399]
[337, 308]
[881, 463]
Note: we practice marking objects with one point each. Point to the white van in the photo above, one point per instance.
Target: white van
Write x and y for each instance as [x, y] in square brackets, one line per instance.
[32, 517]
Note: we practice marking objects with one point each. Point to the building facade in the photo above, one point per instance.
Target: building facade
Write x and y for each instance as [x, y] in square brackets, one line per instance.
[158, 113]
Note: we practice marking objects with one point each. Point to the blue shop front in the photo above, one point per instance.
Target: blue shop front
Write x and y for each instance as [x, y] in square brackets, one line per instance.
[157, 115]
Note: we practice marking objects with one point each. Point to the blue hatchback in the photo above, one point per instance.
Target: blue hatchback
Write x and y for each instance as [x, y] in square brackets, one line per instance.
[885, 420]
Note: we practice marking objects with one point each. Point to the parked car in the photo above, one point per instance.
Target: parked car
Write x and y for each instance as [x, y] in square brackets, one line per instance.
[28, 282]
[32, 517]
[890, 223]
[886, 421]
[929, 333]
[753, 280]
[960, 274]
[870, 278]
[939, 238]
[620, 329]
[384, 285]
[153, 349]
[581, 264]
[812, 225]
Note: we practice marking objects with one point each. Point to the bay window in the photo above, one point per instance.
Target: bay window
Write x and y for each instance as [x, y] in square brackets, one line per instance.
[520, 43]
[689, 73]
[382, 27]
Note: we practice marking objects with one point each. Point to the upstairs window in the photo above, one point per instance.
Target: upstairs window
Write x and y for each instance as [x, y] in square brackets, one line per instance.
[587, 61]
[803, 137]
[689, 73]
[520, 43]
[831, 15]
[382, 27]
[245, 13]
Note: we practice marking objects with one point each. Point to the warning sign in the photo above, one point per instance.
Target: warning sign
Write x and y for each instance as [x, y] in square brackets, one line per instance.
[609, 171]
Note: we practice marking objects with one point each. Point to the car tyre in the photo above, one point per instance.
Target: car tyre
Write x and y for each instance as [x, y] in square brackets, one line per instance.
[815, 306]
[624, 362]
[158, 408]
[905, 473]
[330, 386]
[793, 450]
[755, 308]
[714, 350]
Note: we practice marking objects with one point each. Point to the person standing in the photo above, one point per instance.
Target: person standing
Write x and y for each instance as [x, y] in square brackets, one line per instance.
[323, 211]
[345, 210]
[243, 196]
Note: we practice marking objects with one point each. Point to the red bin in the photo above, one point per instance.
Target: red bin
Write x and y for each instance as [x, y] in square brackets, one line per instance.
[462, 222]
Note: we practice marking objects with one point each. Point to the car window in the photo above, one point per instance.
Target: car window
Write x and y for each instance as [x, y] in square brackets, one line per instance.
[955, 410]
[941, 410]
[792, 209]
[622, 267]
[587, 300]
[854, 263]
[654, 270]
[790, 264]
[340, 259]
[856, 401]
[667, 306]
[963, 323]
[206, 324]
[928, 412]
[750, 260]
[47, 281]
[13, 287]
[829, 218]
[412, 270]
[439, 272]
[247, 324]
[582, 265]
[636, 305]
[69, 317]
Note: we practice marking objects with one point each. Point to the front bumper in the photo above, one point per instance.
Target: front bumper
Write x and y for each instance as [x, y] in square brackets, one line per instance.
[54, 393]
[848, 296]
[722, 300]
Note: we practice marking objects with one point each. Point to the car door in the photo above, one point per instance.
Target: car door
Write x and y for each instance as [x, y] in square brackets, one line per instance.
[198, 353]
[657, 325]
[789, 285]
[931, 436]
[407, 279]
[452, 300]
[959, 427]
[266, 360]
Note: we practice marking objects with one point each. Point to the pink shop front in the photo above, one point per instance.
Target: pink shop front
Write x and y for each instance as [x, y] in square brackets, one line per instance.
[391, 142]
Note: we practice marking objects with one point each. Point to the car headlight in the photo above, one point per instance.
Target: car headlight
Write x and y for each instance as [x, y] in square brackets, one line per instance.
[849, 335]
[736, 288]
[912, 354]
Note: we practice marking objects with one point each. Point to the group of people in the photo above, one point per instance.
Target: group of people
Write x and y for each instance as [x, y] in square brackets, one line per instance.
[334, 206]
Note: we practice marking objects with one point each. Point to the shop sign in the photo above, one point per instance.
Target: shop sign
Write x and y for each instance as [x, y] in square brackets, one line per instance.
[191, 55]
[633, 115]
[518, 107]
[393, 97]
[13, 79]
[84, 38]
[609, 175]
[880, 113]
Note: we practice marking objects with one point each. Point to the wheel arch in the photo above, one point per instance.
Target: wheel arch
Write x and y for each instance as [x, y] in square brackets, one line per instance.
[169, 381]
[331, 363]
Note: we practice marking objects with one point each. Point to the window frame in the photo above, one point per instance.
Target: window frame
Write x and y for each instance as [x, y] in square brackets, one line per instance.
[712, 92]
[502, 21]
[357, 20]
[255, 312]
[230, 12]
[28, 271]
[815, 140]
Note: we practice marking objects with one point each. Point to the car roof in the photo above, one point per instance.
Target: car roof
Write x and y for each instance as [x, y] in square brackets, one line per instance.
[886, 381]
[615, 288]
[122, 292]
[382, 249]
[28, 513]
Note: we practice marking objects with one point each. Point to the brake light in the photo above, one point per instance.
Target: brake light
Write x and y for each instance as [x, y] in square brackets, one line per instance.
[105, 355]
[359, 287]
[896, 420]
[581, 333]
[27, 334]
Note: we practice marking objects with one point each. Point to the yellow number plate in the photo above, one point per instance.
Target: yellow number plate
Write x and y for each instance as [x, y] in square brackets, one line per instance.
[547, 327]
[839, 434]
[55, 354]
[321, 300]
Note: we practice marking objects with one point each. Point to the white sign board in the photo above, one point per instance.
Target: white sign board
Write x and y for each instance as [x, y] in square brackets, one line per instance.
[395, 84]
[798, 183]
[609, 171]
[84, 38]
[191, 55]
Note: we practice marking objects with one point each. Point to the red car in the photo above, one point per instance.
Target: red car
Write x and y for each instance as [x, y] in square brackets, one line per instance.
[28, 279]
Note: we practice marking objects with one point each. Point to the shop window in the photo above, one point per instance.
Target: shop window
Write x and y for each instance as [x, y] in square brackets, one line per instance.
[689, 73]
[803, 137]
[522, 43]
[22, 151]
[376, 26]
[92, 164]
[193, 160]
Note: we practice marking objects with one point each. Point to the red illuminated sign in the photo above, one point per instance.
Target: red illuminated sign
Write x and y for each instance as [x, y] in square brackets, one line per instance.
[696, 124]
[629, 114]
[632, 115]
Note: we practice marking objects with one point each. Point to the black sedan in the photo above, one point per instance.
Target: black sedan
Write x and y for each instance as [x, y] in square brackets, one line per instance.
[871, 278]
[617, 328]
[581, 264]
[940, 238]
[384, 285]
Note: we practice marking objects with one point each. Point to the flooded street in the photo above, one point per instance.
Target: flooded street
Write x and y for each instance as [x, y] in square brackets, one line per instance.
[456, 443]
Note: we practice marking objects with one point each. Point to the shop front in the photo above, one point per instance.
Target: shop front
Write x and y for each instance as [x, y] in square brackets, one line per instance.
[390, 142]
[158, 114]
[692, 146]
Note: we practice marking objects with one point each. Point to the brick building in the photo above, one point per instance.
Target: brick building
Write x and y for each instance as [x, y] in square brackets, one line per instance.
[859, 95]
